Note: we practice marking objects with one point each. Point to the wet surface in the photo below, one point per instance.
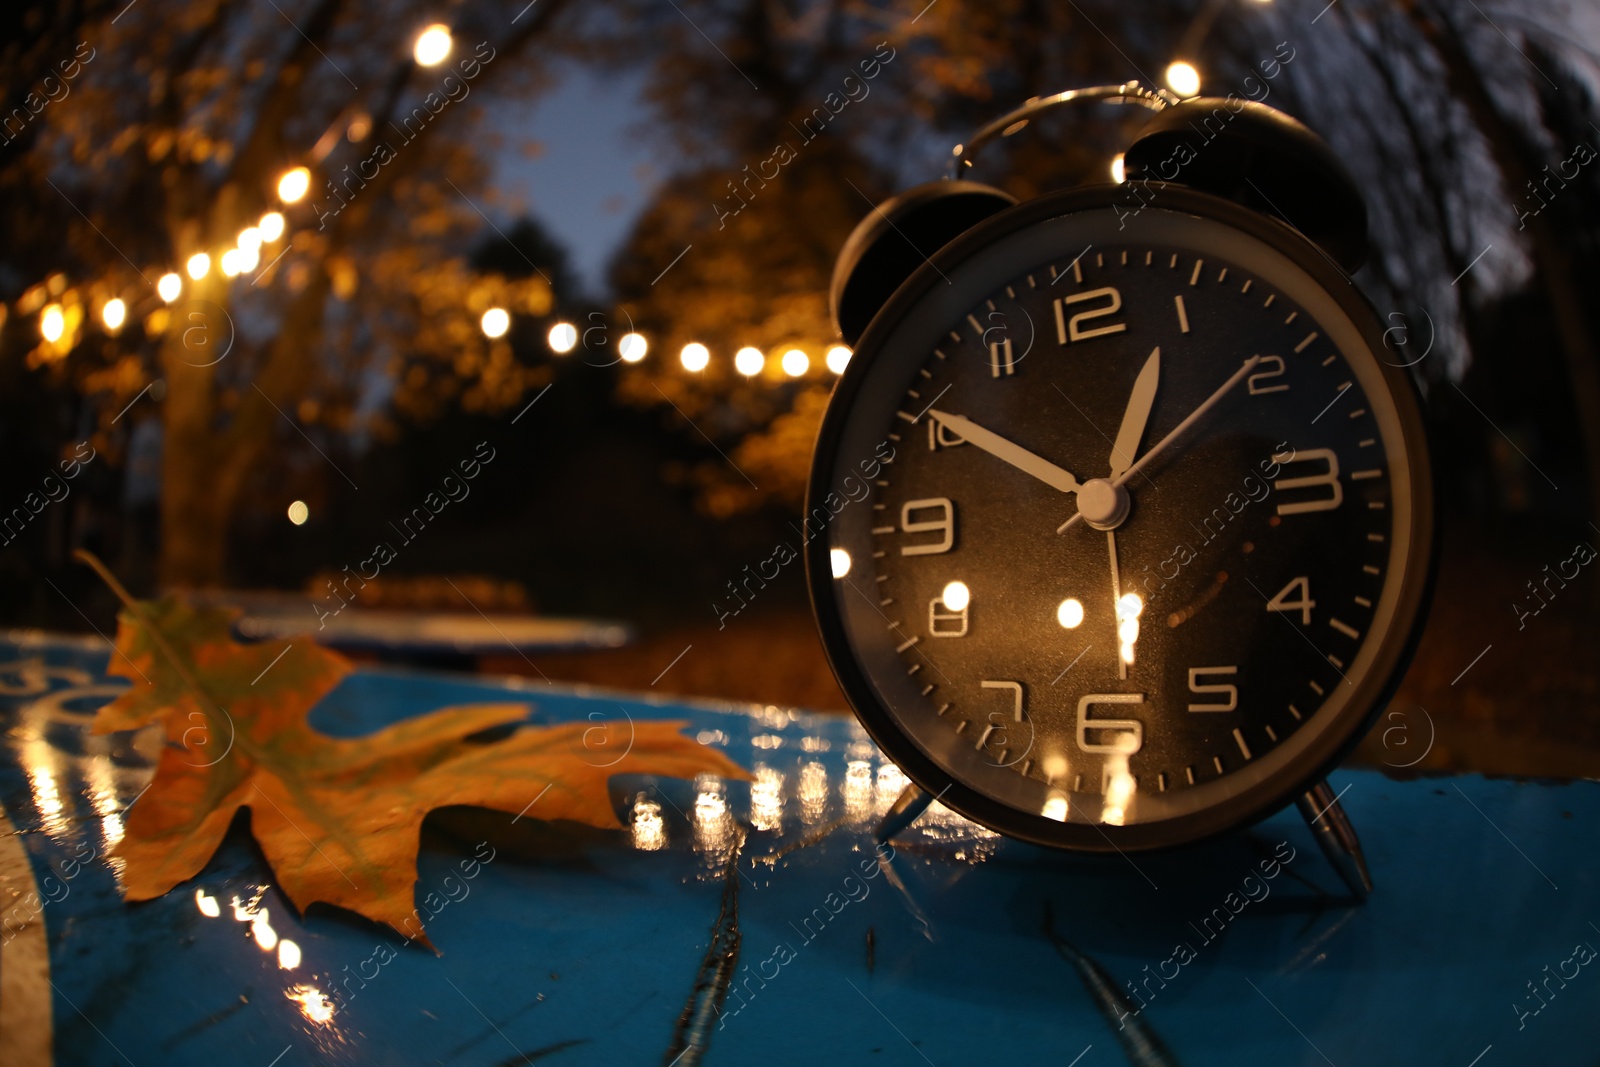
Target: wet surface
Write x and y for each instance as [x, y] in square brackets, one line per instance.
[738, 923]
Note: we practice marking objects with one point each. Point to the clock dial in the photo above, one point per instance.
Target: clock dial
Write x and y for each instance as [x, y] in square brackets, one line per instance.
[1143, 513]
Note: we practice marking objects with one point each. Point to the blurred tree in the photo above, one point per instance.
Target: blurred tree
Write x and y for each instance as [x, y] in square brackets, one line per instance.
[1451, 111]
[795, 120]
[169, 139]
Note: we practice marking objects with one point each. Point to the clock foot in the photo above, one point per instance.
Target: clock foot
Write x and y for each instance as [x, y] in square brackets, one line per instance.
[1332, 829]
[910, 804]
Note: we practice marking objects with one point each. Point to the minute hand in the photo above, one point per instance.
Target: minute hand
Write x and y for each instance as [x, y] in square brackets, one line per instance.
[1011, 453]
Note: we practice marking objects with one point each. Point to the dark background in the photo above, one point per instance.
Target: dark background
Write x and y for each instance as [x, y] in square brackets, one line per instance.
[637, 491]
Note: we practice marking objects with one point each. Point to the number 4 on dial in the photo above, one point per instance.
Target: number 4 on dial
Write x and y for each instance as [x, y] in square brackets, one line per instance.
[1287, 600]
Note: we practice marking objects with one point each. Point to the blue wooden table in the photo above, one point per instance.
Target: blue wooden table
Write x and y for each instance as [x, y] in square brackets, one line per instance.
[754, 923]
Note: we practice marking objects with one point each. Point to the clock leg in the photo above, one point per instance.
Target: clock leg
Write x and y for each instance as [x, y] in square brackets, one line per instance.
[910, 804]
[1332, 829]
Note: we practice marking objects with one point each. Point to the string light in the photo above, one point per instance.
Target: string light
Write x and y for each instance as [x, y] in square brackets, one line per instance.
[169, 286]
[748, 361]
[293, 185]
[249, 239]
[695, 357]
[1183, 78]
[563, 338]
[52, 323]
[433, 45]
[114, 314]
[495, 322]
[796, 363]
[230, 263]
[199, 264]
[838, 358]
[270, 226]
[632, 347]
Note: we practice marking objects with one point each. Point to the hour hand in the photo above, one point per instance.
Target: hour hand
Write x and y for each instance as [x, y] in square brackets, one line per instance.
[1011, 453]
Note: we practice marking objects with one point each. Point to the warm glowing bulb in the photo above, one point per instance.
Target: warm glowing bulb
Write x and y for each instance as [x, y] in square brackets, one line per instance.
[632, 347]
[695, 357]
[563, 338]
[198, 265]
[249, 238]
[1183, 78]
[52, 324]
[288, 954]
[114, 314]
[1129, 606]
[1069, 613]
[169, 287]
[293, 185]
[230, 262]
[1055, 808]
[1119, 172]
[433, 45]
[838, 358]
[749, 361]
[956, 596]
[795, 363]
[271, 226]
[248, 259]
[840, 559]
[495, 322]
[299, 513]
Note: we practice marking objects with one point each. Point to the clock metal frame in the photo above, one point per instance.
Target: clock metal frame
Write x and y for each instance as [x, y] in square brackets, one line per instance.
[1334, 738]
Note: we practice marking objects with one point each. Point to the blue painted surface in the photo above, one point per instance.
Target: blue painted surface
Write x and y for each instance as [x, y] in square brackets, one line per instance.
[577, 947]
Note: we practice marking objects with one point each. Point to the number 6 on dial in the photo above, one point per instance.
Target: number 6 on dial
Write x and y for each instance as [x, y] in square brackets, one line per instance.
[1125, 745]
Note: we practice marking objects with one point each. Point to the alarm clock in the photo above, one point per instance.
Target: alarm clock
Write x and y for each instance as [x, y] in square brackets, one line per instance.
[1123, 520]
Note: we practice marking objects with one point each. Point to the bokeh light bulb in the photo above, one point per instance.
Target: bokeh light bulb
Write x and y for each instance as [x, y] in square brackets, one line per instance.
[52, 323]
[1183, 78]
[495, 322]
[563, 338]
[249, 238]
[839, 559]
[114, 314]
[1119, 171]
[198, 265]
[838, 358]
[956, 596]
[695, 357]
[271, 226]
[795, 363]
[293, 185]
[433, 45]
[632, 347]
[169, 286]
[230, 262]
[1069, 613]
[748, 361]
[299, 513]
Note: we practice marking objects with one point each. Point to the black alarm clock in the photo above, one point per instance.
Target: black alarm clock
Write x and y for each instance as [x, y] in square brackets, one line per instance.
[1149, 532]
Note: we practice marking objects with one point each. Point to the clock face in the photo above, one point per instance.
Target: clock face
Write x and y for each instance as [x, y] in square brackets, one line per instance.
[1119, 521]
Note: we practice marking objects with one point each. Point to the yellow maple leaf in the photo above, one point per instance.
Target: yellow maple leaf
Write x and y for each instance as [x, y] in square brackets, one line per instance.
[337, 819]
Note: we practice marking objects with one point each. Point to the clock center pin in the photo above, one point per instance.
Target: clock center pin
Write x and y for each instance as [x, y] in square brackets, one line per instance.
[1104, 505]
